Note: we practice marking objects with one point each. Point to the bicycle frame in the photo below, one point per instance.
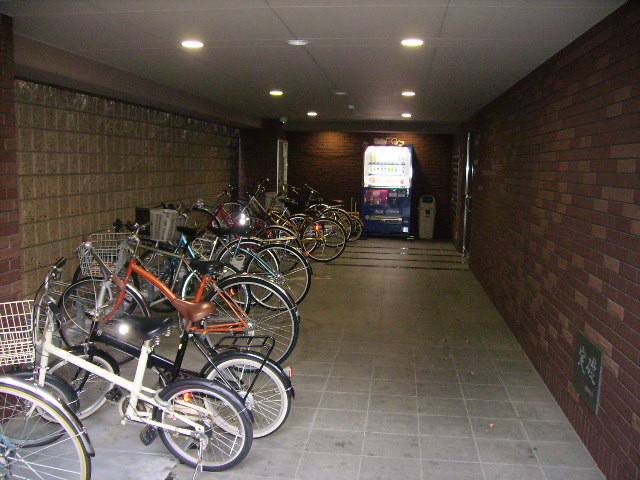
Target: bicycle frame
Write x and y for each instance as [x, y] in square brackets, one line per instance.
[138, 391]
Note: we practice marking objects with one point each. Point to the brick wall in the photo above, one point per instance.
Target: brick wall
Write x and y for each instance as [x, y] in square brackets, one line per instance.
[332, 163]
[84, 161]
[258, 153]
[10, 273]
[555, 235]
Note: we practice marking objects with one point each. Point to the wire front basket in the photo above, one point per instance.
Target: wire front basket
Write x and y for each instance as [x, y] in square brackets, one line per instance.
[16, 333]
[112, 248]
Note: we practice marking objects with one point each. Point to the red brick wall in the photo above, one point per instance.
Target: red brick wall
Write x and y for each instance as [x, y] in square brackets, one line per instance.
[10, 271]
[332, 163]
[555, 235]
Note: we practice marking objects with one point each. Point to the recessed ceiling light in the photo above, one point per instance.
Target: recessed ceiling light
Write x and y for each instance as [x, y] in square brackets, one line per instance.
[298, 42]
[312, 114]
[275, 93]
[412, 42]
[408, 93]
[406, 115]
[192, 44]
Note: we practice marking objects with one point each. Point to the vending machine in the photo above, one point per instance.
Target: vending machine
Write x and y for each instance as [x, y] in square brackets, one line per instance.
[386, 193]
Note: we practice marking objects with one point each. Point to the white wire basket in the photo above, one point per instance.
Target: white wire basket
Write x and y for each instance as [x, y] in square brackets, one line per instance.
[16, 333]
[112, 248]
[163, 224]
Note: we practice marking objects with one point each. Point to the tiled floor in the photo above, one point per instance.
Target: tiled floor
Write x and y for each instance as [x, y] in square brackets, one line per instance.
[403, 370]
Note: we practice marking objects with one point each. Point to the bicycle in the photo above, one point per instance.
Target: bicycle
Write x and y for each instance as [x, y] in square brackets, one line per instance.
[262, 384]
[201, 422]
[40, 437]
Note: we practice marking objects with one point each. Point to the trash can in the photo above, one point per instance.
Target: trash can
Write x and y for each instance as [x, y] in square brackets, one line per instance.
[427, 212]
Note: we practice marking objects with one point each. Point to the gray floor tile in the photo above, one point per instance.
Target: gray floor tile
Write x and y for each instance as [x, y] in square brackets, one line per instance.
[344, 384]
[479, 378]
[270, 463]
[490, 409]
[550, 431]
[377, 468]
[309, 382]
[286, 438]
[506, 452]
[394, 387]
[392, 423]
[442, 470]
[512, 472]
[427, 375]
[340, 420]
[312, 368]
[556, 454]
[448, 448]
[521, 379]
[560, 473]
[498, 428]
[475, 364]
[484, 392]
[442, 406]
[439, 390]
[307, 398]
[350, 370]
[391, 445]
[527, 393]
[328, 466]
[335, 441]
[300, 417]
[345, 400]
[444, 426]
[549, 412]
[393, 404]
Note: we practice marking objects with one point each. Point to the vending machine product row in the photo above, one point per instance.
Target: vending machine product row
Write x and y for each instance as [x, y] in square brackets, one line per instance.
[386, 192]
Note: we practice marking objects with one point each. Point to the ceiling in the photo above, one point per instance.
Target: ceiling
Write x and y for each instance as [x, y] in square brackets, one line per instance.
[473, 51]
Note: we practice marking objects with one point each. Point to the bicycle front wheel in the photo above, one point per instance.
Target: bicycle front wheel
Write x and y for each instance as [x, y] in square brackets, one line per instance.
[78, 305]
[227, 434]
[283, 265]
[266, 307]
[37, 439]
[328, 239]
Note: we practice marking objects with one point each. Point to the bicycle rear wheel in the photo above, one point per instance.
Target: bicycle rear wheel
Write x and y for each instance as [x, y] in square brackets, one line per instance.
[38, 439]
[268, 309]
[227, 435]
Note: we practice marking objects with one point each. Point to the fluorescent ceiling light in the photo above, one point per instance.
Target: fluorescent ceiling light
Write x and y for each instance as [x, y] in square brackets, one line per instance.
[412, 42]
[313, 114]
[406, 115]
[275, 93]
[192, 44]
[298, 42]
[340, 93]
[408, 93]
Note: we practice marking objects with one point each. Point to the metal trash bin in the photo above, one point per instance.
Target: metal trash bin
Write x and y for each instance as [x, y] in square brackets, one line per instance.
[427, 214]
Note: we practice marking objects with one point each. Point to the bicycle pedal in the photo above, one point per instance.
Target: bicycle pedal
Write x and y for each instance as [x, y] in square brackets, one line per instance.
[148, 435]
[114, 395]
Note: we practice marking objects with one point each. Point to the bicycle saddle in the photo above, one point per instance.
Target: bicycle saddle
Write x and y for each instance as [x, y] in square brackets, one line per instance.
[193, 312]
[236, 229]
[146, 327]
[208, 267]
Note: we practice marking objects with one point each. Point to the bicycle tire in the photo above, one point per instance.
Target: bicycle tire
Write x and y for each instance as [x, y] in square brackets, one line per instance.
[283, 265]
[77, 304]
[331, 239]
[234, 254]
[90, 389]
[279, 318]
[30, 418]
[269, 399]
[200, 218]
[228, 435]
[341, 216]
[357, 229]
